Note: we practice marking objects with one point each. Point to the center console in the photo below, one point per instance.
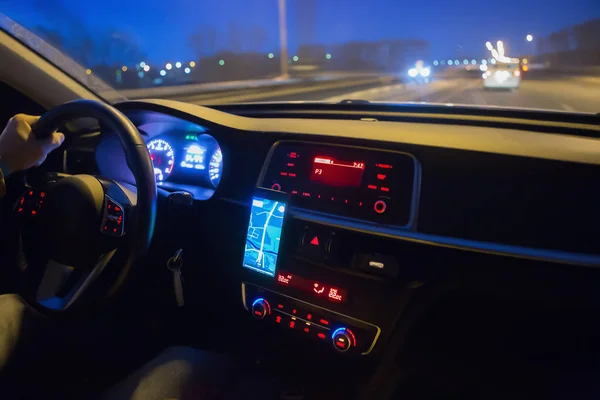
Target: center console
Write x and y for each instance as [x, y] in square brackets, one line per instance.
[337, 284]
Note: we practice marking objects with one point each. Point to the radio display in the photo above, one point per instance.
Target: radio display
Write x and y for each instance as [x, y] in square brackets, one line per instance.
[332, 172]
[264, 235]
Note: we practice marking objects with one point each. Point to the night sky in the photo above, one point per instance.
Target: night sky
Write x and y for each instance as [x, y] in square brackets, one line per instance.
[454, 28]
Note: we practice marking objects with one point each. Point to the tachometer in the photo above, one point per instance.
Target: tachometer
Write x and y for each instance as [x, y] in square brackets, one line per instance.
[215, 167]
[163, 158]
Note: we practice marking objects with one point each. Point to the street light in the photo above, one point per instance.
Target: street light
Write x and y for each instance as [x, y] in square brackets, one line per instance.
[168, 66]
[529, 38]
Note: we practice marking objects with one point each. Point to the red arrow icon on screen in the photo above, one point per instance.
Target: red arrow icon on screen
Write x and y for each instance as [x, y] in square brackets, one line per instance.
[315, 241]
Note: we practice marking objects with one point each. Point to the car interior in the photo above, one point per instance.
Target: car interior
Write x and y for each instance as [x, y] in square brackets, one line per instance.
[423, 251]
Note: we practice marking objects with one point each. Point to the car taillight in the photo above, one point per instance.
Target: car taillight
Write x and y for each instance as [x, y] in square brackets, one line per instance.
[517, 73]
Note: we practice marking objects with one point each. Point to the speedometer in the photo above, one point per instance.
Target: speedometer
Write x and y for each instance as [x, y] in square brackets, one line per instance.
[163, 158]
[215, 167]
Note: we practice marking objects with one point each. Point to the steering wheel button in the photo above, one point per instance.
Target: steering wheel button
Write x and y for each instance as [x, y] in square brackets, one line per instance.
[112, 221]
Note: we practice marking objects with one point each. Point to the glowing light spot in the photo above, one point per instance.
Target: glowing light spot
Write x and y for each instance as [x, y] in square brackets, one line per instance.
[295, 58]
[146, 68]
[178, 64]
[187, 70]
[163, 72]
[221, 62]
[192, 64]
[168, 66]
[271, 55]
[88, 71]
[328, 56]
[124, 68]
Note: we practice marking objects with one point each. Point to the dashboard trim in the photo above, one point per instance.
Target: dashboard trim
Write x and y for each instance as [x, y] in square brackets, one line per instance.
[526, 140]
[369, 350]
[547, 255]
[554, 256]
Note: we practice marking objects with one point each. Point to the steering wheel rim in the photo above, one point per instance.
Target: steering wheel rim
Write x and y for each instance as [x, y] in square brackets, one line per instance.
[142, 221]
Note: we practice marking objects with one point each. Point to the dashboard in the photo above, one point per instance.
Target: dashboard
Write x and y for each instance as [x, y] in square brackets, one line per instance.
[338, 236]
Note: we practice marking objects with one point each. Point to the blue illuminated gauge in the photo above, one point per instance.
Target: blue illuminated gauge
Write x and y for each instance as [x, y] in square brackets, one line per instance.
[215, 167]
[163, 158]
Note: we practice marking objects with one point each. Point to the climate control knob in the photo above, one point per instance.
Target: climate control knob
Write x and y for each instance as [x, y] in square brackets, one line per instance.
[260, 308]
[343, 339]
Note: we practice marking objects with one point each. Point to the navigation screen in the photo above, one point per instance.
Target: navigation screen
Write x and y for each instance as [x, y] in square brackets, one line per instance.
[264, 234]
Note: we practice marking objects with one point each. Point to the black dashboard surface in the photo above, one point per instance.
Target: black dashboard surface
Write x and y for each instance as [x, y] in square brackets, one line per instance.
[502, 187]
[505, 219]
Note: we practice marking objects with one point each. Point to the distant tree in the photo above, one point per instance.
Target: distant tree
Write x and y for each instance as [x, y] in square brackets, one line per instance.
[235, 37]
[78, 41]
[204, 41]
[52, 36]
[257, 38]
[116, 46]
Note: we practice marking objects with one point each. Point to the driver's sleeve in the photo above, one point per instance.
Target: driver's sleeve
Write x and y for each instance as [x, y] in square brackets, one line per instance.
[12, 311]
[2, 181]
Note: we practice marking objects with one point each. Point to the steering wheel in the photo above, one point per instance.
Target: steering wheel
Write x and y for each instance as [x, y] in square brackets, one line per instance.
[72, 225]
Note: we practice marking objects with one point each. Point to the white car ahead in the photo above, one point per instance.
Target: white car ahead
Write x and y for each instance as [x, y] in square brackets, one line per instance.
[502, 76]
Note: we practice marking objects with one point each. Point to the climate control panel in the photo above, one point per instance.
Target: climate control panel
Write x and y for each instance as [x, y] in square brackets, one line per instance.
[342, 333]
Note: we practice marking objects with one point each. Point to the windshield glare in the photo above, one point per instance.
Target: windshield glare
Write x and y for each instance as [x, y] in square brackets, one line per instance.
[233, 51]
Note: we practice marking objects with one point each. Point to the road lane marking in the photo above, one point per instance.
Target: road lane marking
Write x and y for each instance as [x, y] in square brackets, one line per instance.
[459, 89]
[367, 94]
[567, 107]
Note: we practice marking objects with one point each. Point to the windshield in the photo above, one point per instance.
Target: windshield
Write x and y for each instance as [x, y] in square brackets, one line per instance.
[233, 51]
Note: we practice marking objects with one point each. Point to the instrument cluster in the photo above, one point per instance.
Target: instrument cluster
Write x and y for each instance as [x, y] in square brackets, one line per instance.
[194, 158]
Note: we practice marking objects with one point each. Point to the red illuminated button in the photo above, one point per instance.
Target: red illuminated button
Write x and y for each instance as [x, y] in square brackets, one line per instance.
[379, 206]
[276, 186]
[381, 177]
[314, 242]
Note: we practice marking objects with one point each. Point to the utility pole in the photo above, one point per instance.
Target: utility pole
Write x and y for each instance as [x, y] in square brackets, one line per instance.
[283, 52]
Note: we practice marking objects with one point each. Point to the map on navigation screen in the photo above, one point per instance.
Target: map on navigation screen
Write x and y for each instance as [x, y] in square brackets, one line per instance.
[264, 234]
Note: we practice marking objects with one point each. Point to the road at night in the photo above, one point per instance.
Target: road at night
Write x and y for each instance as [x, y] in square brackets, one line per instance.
[567, 93]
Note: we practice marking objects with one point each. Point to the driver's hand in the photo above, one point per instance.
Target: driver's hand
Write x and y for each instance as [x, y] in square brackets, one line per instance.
[19, 149]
